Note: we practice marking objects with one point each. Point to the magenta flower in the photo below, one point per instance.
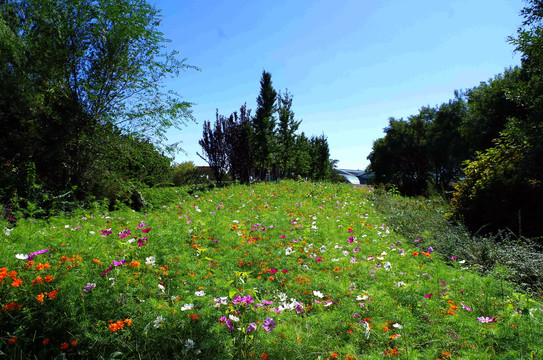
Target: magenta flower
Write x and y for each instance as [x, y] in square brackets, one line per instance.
[146, 230]
[319, 259]
[351, 239]
[269, 324]
[466, 307]
[282, 236]
[273, 271]
[106, 232]
[31, 256]
[485, 319]
[284, 271]
[428, 296]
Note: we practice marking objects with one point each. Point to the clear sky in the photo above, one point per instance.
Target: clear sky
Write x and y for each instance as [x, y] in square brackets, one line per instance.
[350, 64]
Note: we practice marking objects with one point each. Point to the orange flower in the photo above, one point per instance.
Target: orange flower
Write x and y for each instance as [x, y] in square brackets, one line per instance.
[74, 342]
[193, 317]
[135, 263]
[64, 346]
[53, 294]
[12, 340]
[13, 275]
[40, 298]
[97, 262]
[128, 322]
[113, 327]
[385, 329]
[336, 268]
[264, 356]
[48, 278]
[16, 282]
[37, 281]
[334, 355]
[415, 253]
[426, 254]
[120, 324]
[270, 278]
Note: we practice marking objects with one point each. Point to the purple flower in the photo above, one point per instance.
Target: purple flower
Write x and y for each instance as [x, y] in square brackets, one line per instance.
[227, 321]
[266, 302]
[251, 327]
[89, 287]
[299, 308]
[269, 324]
[351, 239]
[119, 263]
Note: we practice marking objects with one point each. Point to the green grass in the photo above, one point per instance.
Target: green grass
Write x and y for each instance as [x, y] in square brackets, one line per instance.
[342, 283]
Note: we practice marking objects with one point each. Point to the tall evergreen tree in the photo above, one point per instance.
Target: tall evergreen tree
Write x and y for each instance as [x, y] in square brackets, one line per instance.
[264, 127]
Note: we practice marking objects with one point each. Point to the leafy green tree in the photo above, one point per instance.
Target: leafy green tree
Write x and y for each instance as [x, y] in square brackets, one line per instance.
[239, 135]
[302, 158]
[503, 185]
[74, 73]
[185, 173]
[321, 166]
[400, 158]
[286, 137]
[264, 127]
[216, 147]
[489, 106]
[446, 148]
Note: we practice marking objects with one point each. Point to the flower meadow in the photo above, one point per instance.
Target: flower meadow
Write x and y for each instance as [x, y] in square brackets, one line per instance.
[288, 270]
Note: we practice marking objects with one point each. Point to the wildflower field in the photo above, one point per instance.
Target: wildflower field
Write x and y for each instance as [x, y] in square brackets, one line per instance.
[288, 270]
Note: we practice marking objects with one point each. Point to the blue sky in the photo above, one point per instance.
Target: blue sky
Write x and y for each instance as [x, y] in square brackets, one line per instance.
[350, 65]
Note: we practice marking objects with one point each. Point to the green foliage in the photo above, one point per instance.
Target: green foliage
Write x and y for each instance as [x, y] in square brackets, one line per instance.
[500, 190]
[519, 258]
[186, 173]
[82, 80]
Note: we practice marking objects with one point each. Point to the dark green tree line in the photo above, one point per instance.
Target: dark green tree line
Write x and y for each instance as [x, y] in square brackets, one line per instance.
[265, 146]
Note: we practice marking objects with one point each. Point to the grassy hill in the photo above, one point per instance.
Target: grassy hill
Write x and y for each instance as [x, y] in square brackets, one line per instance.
[289, 270]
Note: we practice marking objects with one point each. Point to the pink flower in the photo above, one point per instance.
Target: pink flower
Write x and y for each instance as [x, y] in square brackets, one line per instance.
[485, 319]
[284, 271]
[466, 307]
[282, 236]
[318, 259]
[428, 296]
[273, 271]
[146, 230]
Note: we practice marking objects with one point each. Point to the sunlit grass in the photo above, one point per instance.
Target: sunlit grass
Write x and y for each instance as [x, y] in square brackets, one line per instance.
[293, 270]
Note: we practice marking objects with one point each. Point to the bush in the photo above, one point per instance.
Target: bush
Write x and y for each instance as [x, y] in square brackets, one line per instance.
[502, 188]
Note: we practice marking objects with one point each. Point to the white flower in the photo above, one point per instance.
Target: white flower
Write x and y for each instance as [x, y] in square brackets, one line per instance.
[7, 231]
[161, 287]
[387, 266]
[233, 318]
[362, 297]
[200, 293]
[189, 344]
[323, 248]
[289, 251]
[187, 307]
[158, 321]
[21, 256]
[400, 283]
[397, 326]
[67, 226]
[367, 330]
[318, 294]
[384, 253]
[150, 260]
